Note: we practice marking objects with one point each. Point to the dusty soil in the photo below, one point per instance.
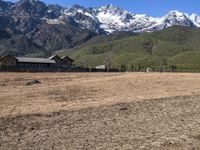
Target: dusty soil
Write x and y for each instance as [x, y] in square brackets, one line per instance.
[100, 111]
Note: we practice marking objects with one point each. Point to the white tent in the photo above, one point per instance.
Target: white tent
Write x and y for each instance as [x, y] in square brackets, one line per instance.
[101, 67]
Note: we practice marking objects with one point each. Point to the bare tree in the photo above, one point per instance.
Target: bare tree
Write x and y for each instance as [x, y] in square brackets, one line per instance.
[162, 63]
[109, 60]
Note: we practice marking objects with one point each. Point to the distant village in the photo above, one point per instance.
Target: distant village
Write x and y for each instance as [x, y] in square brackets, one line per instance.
[54, 63]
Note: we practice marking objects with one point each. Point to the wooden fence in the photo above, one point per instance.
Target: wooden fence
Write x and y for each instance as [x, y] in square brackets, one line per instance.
[76, 69]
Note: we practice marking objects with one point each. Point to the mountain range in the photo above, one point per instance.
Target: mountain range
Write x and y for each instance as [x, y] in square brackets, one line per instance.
[31, 26]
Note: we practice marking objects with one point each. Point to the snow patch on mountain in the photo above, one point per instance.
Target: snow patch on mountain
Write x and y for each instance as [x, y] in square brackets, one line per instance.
[195, 19]
[111, 19]
[54, 21]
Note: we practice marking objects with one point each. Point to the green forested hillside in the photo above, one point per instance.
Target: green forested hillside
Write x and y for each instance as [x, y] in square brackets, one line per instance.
[179, 46]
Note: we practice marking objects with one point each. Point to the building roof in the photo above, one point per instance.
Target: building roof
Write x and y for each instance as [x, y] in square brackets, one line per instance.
[64, 57]
[35, 60]
[49, 60]
[7, 55]
[51, 57]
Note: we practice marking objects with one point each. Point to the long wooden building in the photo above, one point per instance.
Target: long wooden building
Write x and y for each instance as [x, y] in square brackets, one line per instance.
[53, 62]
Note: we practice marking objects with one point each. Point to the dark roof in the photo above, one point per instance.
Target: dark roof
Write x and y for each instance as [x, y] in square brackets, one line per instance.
[67, 58]
[7, 55]
[35, 60]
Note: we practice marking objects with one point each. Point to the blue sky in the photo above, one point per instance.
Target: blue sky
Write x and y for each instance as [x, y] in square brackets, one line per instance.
[154, 8]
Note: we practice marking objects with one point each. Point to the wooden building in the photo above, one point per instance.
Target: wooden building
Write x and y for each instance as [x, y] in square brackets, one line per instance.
[62, 62]
[34, 63]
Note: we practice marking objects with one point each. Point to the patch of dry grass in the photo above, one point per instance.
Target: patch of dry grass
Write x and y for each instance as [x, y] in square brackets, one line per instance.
[64, 91]
[100, 111]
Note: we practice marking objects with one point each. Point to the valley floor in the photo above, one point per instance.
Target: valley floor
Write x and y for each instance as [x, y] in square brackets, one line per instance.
[100, 111]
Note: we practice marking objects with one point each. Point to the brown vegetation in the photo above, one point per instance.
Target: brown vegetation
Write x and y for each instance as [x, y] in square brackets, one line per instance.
[100, 111]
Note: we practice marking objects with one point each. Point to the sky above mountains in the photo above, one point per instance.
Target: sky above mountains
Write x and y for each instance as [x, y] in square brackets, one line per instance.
[155, 8]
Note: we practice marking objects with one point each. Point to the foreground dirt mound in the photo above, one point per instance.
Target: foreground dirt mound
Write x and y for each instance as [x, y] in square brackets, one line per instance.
[157, 124]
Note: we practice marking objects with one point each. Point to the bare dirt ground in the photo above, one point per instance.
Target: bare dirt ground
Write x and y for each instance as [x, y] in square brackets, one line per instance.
[148, 111]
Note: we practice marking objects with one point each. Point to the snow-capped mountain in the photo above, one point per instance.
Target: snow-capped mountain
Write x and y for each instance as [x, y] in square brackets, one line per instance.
[83, 17]
[53, 27]
[105, 19]
[113, 19]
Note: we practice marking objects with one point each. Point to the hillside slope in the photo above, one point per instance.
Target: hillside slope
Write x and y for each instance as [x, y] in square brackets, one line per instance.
[172, 46]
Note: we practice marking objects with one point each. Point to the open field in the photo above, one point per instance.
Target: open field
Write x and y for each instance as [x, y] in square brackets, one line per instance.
[100, 111]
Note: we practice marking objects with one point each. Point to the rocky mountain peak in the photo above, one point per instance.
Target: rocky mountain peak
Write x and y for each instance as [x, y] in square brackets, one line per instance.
[30, 8]
[5, 7]
[175, 17]
[112, 10]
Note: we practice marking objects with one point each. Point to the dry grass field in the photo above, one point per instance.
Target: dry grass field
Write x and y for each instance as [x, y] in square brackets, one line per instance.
[81, 111]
